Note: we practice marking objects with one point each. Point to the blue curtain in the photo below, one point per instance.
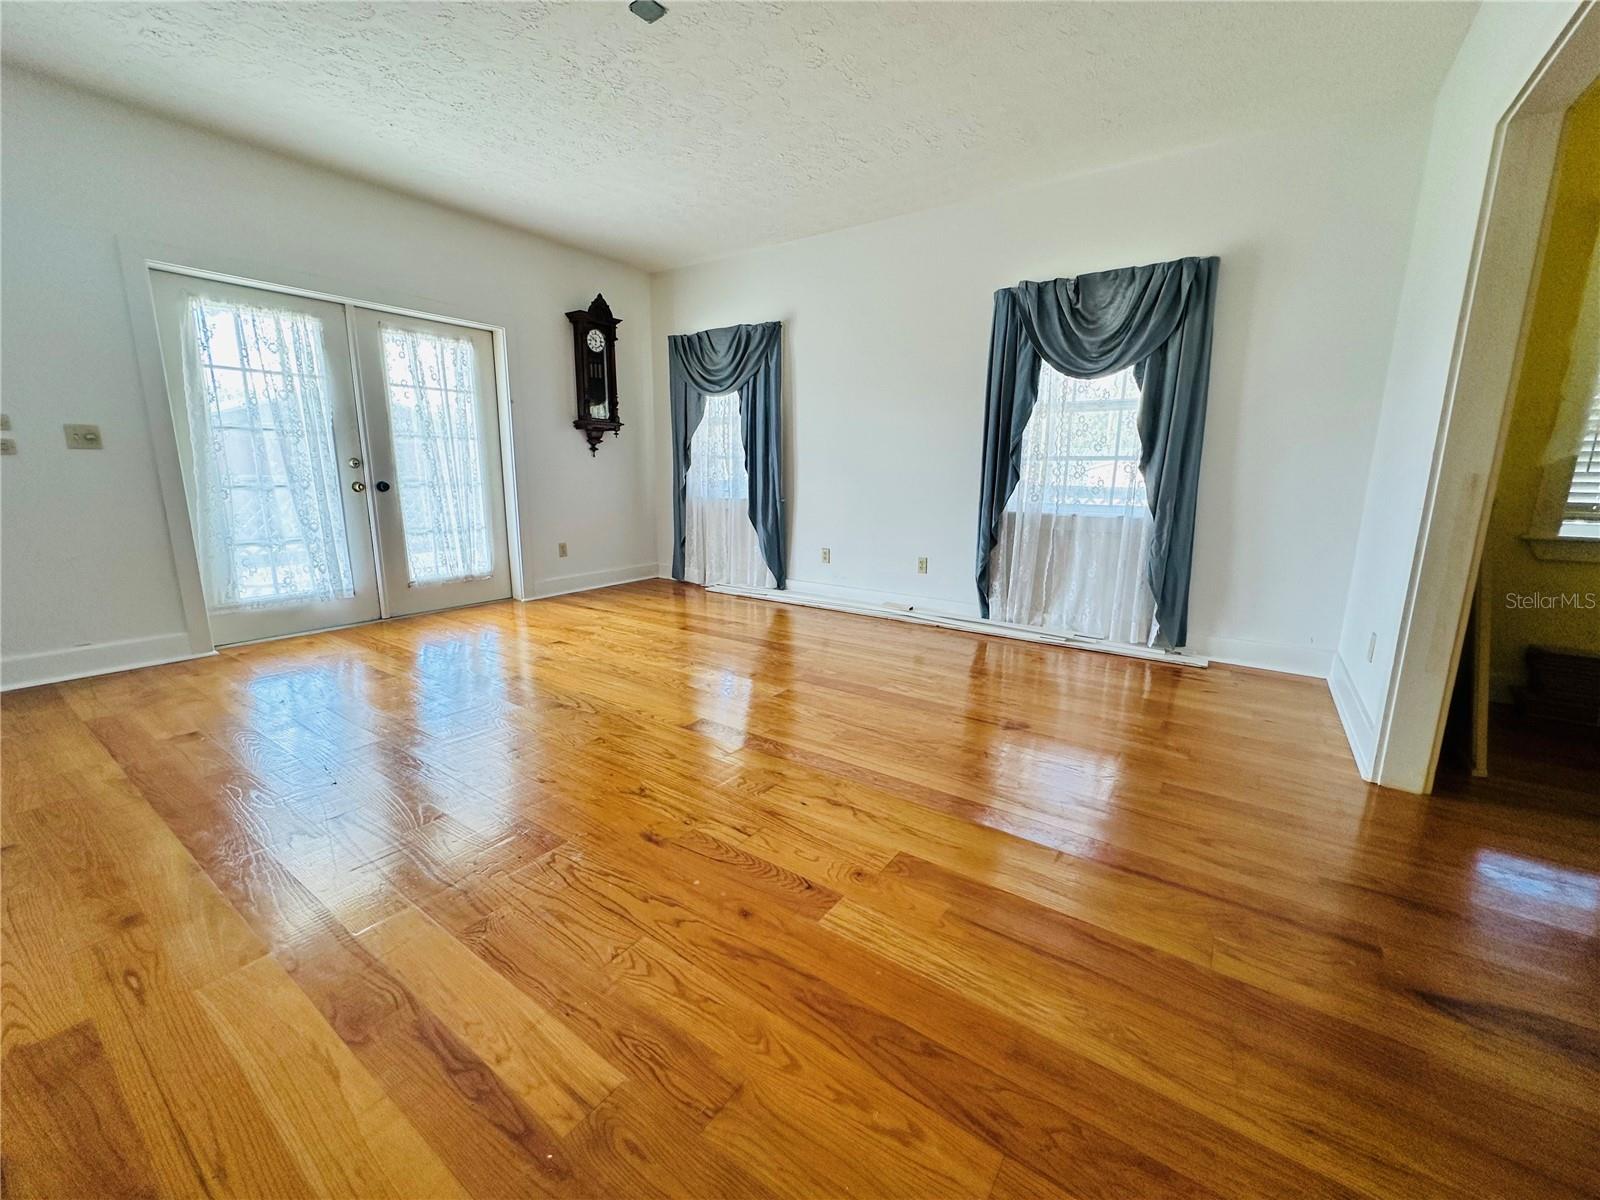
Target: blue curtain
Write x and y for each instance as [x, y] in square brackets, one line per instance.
[1156, 319]
[746, 359]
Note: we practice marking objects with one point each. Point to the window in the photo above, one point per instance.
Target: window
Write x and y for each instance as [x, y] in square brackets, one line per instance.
[1074, 544]
[1081, 448]
[716, 452]
[1581, 515]
[1566, 512]
[720, 543]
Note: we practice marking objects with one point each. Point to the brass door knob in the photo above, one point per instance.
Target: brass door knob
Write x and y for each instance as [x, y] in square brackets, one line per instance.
[358, 486]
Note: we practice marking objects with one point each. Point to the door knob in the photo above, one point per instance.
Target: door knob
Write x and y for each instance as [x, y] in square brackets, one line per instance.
[383, 485]
[358, 486]
[355, 462]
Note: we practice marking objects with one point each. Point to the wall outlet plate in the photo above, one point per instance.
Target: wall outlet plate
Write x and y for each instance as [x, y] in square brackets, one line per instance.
[827, 555]
[83, 437]
[5, 420]
[561, 549]
[922, 566]
[8, 445]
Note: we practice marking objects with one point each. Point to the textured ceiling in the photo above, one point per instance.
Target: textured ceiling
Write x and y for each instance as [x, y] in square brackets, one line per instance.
[730, 125]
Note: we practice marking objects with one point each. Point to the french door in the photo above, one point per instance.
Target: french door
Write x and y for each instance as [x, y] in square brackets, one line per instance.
[433, 430]
[341, 464]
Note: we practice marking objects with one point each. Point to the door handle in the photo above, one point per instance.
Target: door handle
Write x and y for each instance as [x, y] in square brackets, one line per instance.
[358, 486]
[382, 485]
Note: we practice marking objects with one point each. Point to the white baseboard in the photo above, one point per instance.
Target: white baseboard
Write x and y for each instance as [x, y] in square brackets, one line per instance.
[932, 606]
[102, 658]
[1270, 656]
[1267, 656]
[914, 609]
[1359, 728]
[561, 585]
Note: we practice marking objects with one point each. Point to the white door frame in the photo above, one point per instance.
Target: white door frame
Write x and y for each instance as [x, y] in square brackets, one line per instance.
[140, 257]
[1477, 411]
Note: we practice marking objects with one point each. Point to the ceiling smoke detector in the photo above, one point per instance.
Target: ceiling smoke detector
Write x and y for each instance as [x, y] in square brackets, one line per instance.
[648, 11]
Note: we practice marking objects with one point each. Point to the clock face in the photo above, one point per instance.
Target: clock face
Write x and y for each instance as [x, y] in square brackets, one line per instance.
[596, 341]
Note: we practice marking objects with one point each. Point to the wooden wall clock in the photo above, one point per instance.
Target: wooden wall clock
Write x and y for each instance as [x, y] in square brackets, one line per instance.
[594, 357]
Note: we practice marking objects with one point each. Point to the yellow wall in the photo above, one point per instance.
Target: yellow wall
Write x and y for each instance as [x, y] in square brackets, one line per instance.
[1572, 226]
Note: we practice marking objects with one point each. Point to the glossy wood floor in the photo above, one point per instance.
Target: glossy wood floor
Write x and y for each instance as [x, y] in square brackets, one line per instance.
[649, 892]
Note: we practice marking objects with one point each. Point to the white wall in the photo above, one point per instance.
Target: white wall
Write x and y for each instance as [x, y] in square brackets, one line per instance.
[887, 329]
[1502, 49]
[89, 580]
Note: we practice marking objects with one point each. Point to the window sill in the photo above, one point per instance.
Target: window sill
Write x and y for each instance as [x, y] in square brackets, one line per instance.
[1563, 549]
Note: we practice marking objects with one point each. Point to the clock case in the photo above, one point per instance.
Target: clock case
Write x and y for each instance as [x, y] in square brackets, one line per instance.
[595, 373]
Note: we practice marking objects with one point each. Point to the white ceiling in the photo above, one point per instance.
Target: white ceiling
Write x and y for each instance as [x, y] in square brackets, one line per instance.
[730, 125]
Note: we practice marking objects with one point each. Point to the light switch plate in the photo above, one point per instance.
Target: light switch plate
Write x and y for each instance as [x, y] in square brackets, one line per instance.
[83, 437]
[5, 421]
[8, 445]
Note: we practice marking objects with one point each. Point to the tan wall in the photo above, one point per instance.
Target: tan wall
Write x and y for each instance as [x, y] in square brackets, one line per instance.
[1569, 240]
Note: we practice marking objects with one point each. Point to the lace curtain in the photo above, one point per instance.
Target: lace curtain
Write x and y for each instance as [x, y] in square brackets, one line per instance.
[268, 501]
[720, 544]
[431, 385]
[1075, 534]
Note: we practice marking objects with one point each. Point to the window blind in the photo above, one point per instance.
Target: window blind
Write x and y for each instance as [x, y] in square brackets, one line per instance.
[1583, 494]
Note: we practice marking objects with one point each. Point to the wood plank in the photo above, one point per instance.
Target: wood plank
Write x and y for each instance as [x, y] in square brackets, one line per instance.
[38, 994]
[68, 1131]
[652, 891]
[554, 1072]
[346, 1136]
[201, 1122]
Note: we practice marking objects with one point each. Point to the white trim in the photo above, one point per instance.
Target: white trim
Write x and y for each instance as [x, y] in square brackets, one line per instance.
[164, 445]
[1359, 728]
[1281, 658]
[1563, 549]
[927, 616]
[100, 658]
[139, 258]
[563, 585]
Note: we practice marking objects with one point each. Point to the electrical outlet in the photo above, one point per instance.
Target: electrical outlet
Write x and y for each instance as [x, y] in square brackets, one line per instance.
[5, 421]
[827, 555]
[8, 445]
[561, 549]
[1372, 646]
[83, 437]
[922, 566]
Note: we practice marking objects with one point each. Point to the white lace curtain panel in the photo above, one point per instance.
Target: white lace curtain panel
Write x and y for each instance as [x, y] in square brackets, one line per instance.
[720, 544]
[1076, 531]
[431, 385]
[269, 506]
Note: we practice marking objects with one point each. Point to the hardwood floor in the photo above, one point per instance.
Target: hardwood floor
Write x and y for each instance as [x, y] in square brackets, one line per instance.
[651, 892]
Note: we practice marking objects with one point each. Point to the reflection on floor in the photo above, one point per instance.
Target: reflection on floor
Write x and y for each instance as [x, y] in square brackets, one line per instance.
[650, 892]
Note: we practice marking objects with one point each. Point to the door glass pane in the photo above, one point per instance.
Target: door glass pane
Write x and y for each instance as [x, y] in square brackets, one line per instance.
[431, 384]
[269, 506]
